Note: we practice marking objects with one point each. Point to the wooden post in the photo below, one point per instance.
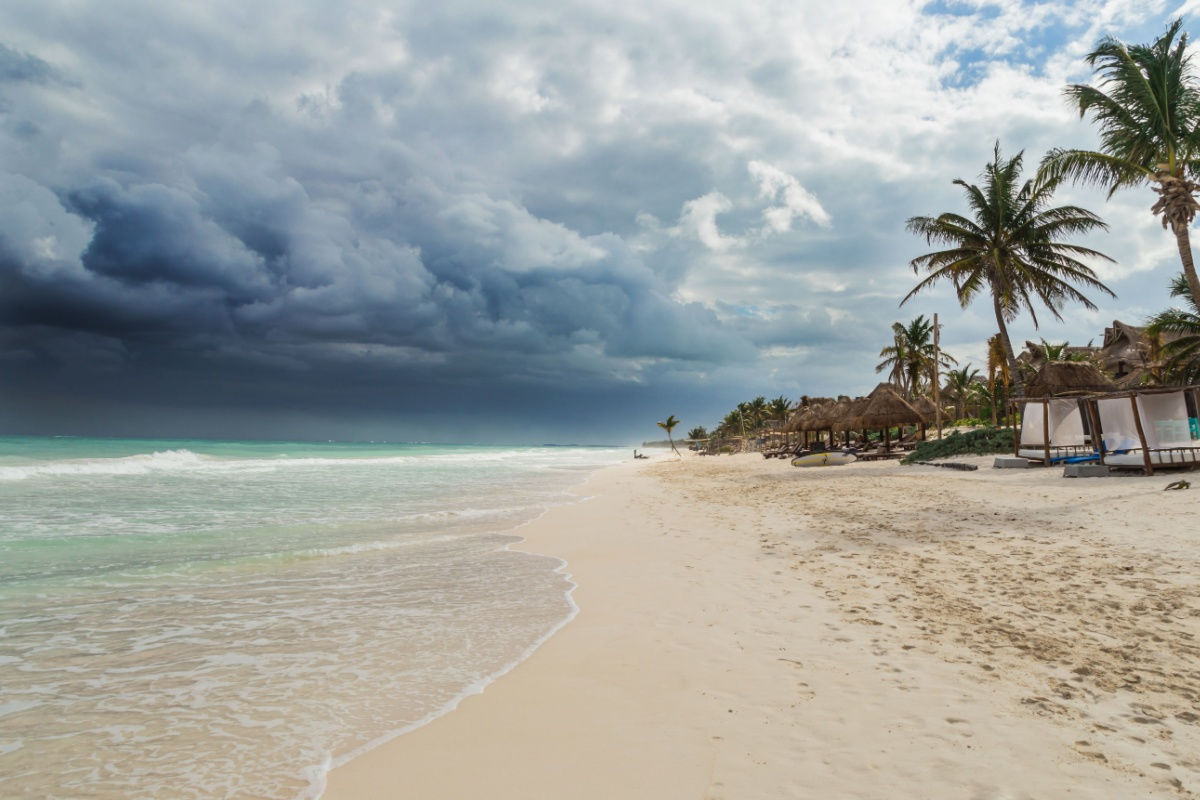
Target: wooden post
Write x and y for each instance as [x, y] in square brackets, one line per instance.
[1093, 407]
[1011, 406]
[1137, 420]
[1046, 430]
[937, 355]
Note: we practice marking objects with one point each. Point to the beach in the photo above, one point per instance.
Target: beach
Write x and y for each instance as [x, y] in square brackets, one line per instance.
[747, 629]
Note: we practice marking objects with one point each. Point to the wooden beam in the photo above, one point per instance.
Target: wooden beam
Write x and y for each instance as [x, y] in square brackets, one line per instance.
[1093, 408]
[1137, 420]
[1046, 431]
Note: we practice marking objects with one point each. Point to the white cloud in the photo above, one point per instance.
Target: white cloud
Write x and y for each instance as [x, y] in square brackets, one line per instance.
[794, 200]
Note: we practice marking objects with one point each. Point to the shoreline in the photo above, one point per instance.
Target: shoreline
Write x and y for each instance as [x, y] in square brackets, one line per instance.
[747, 629]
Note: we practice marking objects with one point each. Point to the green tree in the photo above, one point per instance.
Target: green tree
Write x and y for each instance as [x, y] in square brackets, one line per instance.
[778, 408]
[1010, 248]
[1055, 352]
[697, 433]
[990, 397]
[895, 356]
[1181, 355]
[758, 412]
[998, 368]
[668, 425]
[1147, 110]
[958, 386]
[911, 355]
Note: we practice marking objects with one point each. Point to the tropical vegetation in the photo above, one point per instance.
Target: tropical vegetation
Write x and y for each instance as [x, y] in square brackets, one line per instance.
[981, 442]
[1147, 110]
[958, 387]
[911, 355]
[1180, 356]
[1010, 248]
[668, 425]
[1013, 246]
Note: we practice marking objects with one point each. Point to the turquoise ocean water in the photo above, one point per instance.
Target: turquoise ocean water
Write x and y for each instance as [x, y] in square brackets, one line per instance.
[197, 619]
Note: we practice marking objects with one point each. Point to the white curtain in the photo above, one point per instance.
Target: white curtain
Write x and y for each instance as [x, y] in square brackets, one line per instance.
[1165, 420]
[1031, 423]
[1066, 423]
[1116, 420]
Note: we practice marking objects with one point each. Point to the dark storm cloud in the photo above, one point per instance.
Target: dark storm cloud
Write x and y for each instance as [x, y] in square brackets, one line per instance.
[469, 209]
[18, 67]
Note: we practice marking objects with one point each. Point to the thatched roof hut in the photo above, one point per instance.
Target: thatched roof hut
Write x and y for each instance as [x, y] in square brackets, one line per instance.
[1065, 378]
[813, 419]
[839, 414]
[927, 409]
[885, 407]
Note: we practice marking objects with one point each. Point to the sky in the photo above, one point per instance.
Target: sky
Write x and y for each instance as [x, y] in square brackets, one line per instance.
[510, 222]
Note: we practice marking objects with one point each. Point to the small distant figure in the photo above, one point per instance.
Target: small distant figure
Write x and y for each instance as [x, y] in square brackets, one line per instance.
[636, 454]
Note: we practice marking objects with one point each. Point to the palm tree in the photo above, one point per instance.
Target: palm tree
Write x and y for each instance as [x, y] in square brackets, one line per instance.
[697, 433]
[997, 367]
[1181, 355]
[958, 386]
[668, 425]
[778, 408]
[895, 356]
[1010, 248]
[990, 396]
[1055, 352]
[912, 354]
[757, 411]
[1147, 108]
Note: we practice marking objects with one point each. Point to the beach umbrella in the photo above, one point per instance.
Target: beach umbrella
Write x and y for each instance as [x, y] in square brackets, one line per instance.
[927, 409]
[885, 408]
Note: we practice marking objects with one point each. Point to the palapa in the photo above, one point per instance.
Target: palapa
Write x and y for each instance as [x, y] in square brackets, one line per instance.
[1065, 378]
[885, 408]
[927, 409]
[810, 416]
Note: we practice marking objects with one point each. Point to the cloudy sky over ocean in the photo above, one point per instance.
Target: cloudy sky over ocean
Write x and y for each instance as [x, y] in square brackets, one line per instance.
[493, 221]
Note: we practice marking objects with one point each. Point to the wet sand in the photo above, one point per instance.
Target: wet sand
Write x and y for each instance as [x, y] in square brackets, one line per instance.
[748, 629]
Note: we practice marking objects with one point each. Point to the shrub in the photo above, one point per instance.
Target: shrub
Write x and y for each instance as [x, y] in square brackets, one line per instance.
[981, 442]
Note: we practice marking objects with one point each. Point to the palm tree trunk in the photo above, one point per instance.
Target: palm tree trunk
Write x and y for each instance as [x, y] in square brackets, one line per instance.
[1183, 241]
[1009, 356]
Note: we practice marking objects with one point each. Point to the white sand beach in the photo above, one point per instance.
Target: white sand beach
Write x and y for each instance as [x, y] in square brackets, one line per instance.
[752, 630]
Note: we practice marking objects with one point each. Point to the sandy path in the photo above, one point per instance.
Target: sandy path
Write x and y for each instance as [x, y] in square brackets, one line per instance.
[748, 630]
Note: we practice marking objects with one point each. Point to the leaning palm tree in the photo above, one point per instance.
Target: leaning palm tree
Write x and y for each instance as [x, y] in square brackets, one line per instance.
[1147, 108]
[1180, 355]
[1010, 247]
[668, 425]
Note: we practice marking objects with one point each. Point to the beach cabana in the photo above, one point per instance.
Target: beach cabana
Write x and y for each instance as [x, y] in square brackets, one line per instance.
[1056, 418]
[1150, 427]
[1052, 429]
